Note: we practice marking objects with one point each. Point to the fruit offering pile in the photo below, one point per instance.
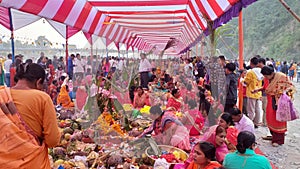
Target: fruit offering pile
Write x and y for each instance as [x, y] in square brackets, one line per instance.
[171, 157]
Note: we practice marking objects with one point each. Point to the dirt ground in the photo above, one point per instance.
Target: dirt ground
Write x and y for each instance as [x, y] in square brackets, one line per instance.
[286, 156]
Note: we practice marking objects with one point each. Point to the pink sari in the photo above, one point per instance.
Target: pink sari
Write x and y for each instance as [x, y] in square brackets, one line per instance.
[210, 136]
[177, 135]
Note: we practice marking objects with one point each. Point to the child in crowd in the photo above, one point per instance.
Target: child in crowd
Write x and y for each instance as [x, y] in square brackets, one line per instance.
[241, 82]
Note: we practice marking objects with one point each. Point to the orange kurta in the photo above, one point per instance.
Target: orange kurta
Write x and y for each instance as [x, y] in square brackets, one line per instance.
[37, 111]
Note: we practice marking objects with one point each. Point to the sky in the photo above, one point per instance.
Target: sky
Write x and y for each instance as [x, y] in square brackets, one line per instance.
[43, 28]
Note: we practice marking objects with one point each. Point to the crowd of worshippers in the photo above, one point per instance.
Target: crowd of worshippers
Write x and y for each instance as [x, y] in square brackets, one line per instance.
[202, 87]
[217, 81]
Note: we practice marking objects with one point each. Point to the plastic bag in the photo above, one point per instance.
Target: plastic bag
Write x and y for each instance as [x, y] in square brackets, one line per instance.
[286, 110]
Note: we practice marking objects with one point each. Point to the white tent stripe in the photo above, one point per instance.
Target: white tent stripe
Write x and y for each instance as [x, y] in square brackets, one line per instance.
[106, 30]
[121, 29]
[198, 13]
[141, 8]
[209, 10]
[74, 14]
[224, 4]
[100, 24]
[51, 8]
[115, 27]
[17, 4]
[90, 19]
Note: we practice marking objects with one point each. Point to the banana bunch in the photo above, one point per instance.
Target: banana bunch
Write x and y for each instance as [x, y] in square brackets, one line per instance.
[145, 110]
[179, 155]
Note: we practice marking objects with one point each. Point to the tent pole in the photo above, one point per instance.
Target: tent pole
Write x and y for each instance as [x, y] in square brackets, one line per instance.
[241, 57]
[202, 46]
[91, 45]
[67, 52]
[197, 49]
[12, 35]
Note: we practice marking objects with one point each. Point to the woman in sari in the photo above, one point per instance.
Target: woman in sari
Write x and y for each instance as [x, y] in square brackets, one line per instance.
[278, 84]
[175, 101]
[155, 114]
[173, 132]
[245, 156]
[63, 97]
[141, 98]
[204, 157]
[226, 122]
[30, 123]
[216, 135]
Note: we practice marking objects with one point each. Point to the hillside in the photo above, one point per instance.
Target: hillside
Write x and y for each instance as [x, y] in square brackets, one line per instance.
[269, 30]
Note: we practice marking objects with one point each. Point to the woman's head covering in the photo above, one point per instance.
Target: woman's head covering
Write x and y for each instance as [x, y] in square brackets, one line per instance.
[169, 116]
[210, 136]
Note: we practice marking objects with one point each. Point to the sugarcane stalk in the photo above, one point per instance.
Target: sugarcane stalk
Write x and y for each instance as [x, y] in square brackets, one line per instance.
[290, 10]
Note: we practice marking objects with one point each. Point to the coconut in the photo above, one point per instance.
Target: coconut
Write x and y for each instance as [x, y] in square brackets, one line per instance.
[114, 160]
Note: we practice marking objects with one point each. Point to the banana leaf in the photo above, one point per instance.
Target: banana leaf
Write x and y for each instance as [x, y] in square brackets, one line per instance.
[119, 108]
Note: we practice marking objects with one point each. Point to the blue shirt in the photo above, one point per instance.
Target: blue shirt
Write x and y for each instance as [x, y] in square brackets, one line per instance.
[70, 65]
[248, 160]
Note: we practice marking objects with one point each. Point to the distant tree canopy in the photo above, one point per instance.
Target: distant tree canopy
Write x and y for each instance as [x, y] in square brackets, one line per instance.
[269, 30]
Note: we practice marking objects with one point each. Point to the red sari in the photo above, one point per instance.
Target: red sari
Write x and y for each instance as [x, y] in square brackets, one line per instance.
[51, 74]
[272, 123]
[274, 89]
[141, 101]
[174, 103]
[231, 135]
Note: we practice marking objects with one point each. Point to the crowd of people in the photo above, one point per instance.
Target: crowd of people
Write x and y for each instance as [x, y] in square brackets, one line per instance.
[201, 110]
[262, 84]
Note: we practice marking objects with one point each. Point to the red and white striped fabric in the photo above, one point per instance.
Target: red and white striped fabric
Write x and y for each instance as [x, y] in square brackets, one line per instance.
[138, 23]
[75, 13]
[144, 24]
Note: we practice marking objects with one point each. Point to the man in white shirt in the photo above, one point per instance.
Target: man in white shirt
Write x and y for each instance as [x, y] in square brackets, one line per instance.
[144, 68]
[7, 65]
[242, 122]
[79, 67]
[120, 64]
[113, 64]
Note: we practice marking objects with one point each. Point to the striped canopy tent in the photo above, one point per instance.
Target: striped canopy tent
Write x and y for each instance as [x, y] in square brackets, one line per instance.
[140, 24]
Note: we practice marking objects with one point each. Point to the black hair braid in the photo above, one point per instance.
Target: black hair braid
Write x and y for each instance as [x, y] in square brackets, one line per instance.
[240, 147]
[245, 140]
